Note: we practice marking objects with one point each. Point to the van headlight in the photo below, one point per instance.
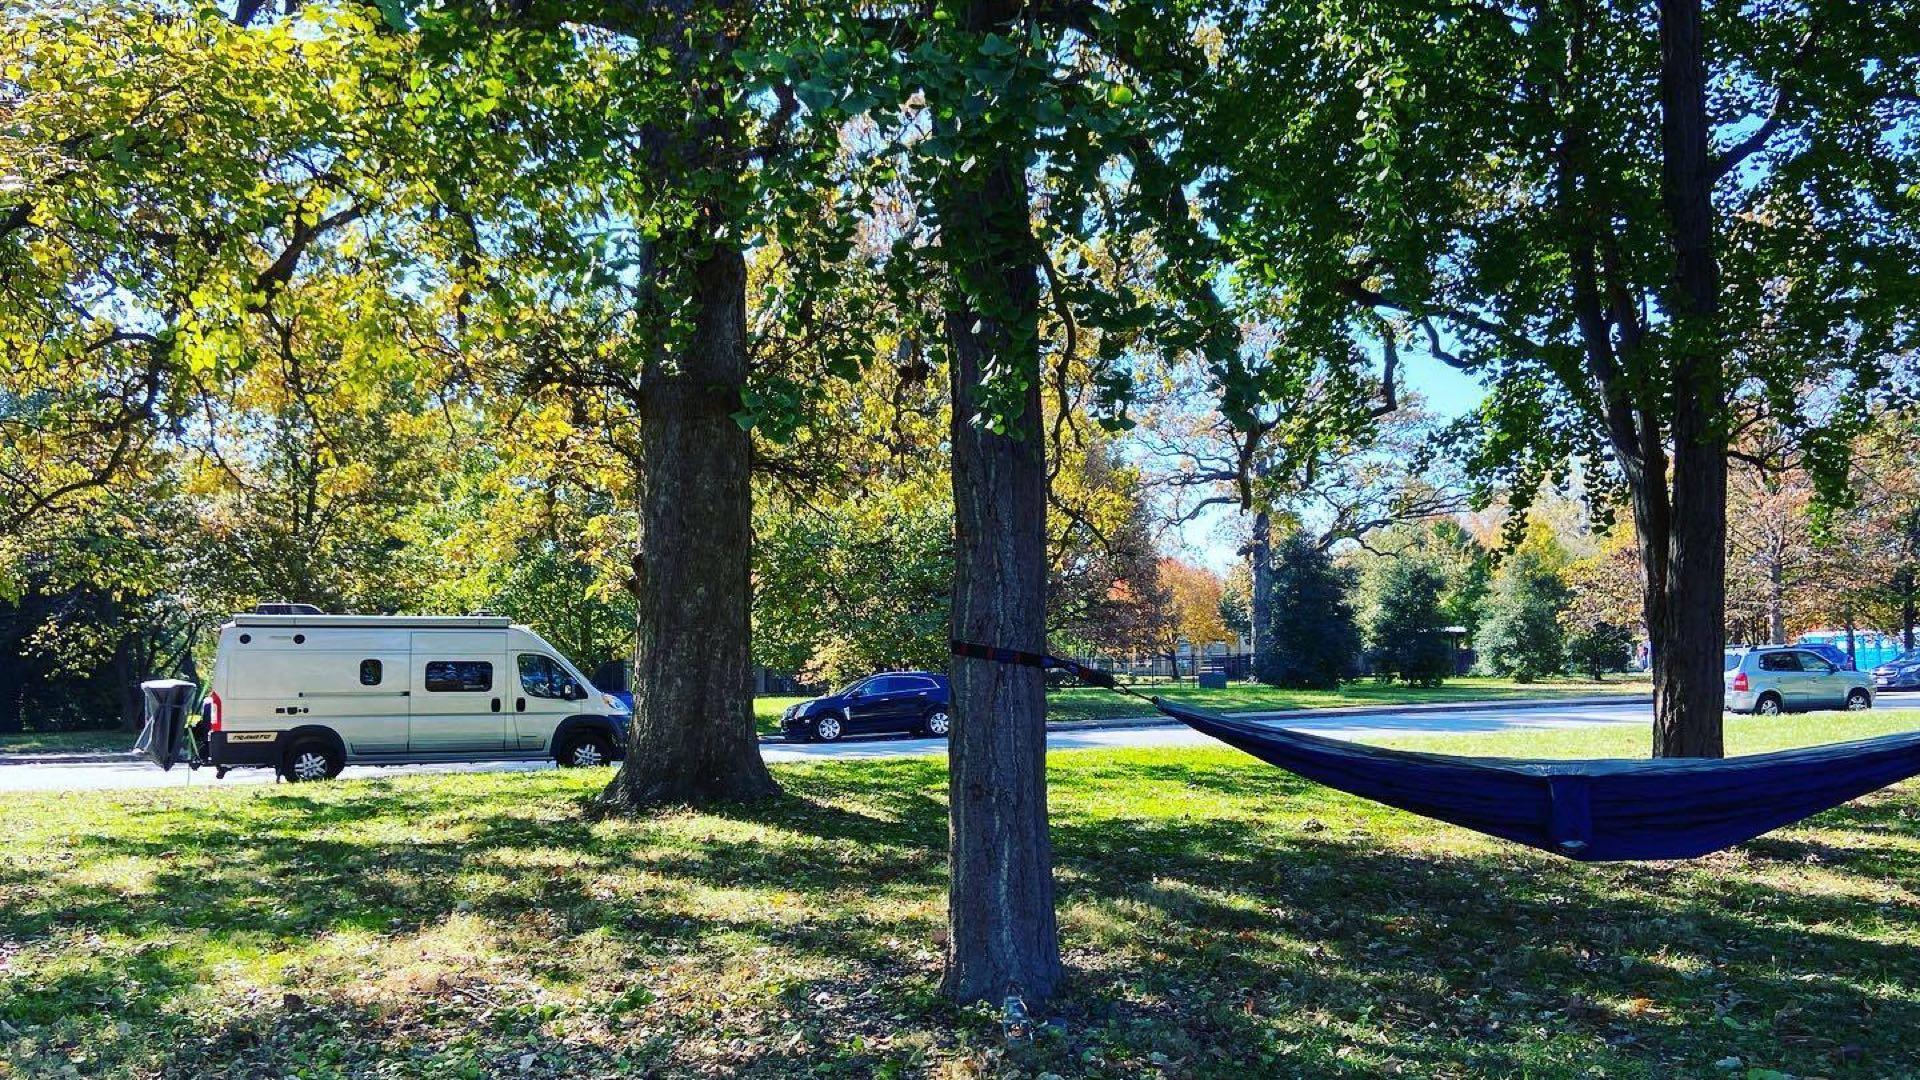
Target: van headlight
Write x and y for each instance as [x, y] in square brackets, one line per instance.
[614, 703]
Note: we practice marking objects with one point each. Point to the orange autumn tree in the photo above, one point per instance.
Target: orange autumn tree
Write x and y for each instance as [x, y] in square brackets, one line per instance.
[1193, 609]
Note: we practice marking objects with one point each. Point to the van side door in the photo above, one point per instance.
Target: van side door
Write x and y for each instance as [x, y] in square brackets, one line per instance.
[459, 690]
[370, 711]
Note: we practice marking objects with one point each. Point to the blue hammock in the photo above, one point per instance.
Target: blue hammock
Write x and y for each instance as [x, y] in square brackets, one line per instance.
[1594, 811]
[1666, 808]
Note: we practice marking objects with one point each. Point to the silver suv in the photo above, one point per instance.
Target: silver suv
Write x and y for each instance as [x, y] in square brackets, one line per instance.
[1772, 679]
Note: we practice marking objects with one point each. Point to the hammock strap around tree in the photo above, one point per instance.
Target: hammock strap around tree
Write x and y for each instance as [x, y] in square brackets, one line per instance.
[1591, 810]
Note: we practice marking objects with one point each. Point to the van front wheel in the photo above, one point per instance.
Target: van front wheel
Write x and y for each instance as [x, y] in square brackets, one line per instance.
[584, 751]
[311, 759]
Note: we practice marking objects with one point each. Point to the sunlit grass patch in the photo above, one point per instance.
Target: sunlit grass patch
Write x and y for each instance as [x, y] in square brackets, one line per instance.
[1082, 703]
[26, 743]
[1219, 918]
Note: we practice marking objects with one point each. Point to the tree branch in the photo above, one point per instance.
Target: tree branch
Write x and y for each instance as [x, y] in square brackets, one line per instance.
[276, 276]
[1731, 158]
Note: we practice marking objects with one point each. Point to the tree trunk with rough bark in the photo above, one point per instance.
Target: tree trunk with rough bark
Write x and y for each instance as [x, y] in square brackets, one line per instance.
[1688, 690]
[1001, 934]
[691, 739]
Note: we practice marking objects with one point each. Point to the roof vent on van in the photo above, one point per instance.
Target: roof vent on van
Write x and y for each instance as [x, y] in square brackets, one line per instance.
[281, 608]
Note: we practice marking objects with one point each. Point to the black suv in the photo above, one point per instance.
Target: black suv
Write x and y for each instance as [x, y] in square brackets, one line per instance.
[915, 701]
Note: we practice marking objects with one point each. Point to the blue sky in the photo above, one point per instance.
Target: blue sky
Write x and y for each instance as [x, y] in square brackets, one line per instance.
[1448, 391]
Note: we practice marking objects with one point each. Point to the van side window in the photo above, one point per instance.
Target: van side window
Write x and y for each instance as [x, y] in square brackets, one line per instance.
[456, 676]
[369, 673]
[542, 676]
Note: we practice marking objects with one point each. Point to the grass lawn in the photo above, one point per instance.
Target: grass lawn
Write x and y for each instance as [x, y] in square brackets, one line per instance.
[64, 742]
[1220, 918]
[1087, 703]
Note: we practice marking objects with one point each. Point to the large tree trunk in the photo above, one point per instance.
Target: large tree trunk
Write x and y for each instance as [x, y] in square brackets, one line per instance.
[691, 739]
[1001, 935]
[1688, 691]
[1689, 688]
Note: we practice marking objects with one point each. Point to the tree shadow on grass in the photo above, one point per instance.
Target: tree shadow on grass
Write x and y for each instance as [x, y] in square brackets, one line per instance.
[1374, 931]
[1229, 940]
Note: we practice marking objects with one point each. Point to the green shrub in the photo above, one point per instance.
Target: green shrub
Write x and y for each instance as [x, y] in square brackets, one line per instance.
[1598, 649]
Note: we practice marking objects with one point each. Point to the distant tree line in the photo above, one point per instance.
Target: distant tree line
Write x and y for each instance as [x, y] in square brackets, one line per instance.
[1404, 612]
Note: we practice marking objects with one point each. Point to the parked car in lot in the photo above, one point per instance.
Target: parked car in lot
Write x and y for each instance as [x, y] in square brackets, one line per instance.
[1832, 654]
[1900, 673]
[894, 701]
[1772, 679]
[614, 677]
[308, 695]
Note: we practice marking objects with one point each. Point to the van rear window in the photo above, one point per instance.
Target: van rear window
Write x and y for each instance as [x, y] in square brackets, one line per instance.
[456, 676]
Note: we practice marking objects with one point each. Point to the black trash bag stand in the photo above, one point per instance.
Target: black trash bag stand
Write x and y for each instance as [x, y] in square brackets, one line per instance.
[168, 702]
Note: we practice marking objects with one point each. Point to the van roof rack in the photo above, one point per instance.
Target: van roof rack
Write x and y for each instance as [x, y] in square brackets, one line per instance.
[378, 622]
[281, 607]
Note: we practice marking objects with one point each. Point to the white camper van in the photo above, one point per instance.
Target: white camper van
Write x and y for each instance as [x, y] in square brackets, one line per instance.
[311, 694]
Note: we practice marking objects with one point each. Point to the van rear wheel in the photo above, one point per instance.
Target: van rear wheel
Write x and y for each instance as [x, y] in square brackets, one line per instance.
[584, 750]
[311, 759]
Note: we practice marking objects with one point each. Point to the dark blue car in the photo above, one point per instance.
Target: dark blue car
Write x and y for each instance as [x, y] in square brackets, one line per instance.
[914, 701]
[612, 677]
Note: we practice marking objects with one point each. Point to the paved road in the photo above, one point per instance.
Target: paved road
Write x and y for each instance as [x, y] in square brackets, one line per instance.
[140, 774]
